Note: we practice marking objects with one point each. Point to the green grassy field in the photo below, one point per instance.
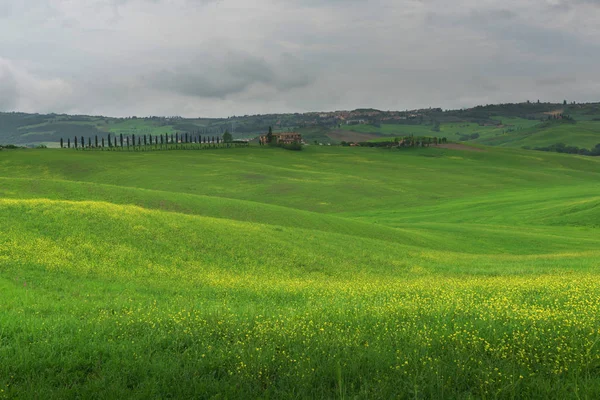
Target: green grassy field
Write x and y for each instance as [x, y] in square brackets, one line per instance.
[513, 132]
[334, 272]
[584, 134]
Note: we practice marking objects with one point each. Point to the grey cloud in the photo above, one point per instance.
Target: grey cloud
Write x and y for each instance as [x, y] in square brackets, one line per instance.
[556, 81]
[5, 9]
[8, 89]
[493, 15]
[573, 3]
[231, 74]
[211, 57]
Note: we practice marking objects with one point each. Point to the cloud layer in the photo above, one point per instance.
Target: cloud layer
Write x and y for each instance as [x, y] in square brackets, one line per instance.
[233, 57]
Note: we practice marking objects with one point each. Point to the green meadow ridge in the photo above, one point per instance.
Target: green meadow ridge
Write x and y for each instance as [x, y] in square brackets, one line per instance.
[560, 127]
[334, 272]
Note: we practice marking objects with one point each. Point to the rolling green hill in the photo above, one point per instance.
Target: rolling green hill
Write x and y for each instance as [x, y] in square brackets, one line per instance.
[584, 134]
[509, 125]
[511, 132]
[334, 272]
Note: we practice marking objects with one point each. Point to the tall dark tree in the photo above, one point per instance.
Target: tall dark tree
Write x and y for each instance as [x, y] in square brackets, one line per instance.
[75, 142]
[68, 143]
[109, 141]
[61, 143]
[102, 142]
[90, 142]
[139, 140]
[121, 139]
[133, 139]
[82, 142]
[96, 140]
[172, 138]
[176, 138]
[270, 135]
[145, 141]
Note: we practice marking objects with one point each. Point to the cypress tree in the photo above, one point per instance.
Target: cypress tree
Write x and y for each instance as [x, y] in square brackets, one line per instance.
[145, 141]
[186, 137]
[82, 142]
[61, 143]
[270, 135]
[176, 138]
[75, 141]
[96, 138]
[133, 140]
[90, 142]
[102, 142]
[139, 141]
[109, 141]
[172, 138]
[68, 143]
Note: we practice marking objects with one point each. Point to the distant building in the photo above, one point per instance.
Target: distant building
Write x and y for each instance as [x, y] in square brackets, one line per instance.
[283, 138]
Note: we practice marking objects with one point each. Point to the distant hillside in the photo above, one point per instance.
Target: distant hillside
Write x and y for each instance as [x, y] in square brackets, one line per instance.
[509, 125]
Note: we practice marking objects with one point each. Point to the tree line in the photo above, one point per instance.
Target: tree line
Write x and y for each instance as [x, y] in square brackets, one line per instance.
[563, 148]
[165, 141]
[401, 142]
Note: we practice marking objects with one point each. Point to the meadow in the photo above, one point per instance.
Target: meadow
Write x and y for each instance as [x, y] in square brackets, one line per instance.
[513, 132]
[334, 272]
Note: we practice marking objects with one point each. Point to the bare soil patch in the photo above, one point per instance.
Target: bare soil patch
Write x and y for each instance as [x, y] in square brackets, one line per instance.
[555, 112]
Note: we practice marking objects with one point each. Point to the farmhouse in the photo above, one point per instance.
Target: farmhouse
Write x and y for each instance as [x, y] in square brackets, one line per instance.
[283, 138]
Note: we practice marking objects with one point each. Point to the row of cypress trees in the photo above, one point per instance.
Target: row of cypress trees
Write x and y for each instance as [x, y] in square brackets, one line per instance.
[163, 142]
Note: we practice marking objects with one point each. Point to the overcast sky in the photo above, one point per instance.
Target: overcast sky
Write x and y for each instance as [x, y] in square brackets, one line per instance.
[236, 57]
